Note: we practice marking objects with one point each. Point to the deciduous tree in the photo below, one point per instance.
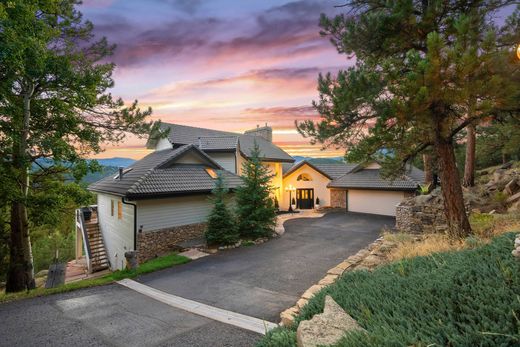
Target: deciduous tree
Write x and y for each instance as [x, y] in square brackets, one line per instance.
[54, 103]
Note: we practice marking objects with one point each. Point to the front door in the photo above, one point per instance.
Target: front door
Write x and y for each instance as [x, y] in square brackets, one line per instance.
[305, 198]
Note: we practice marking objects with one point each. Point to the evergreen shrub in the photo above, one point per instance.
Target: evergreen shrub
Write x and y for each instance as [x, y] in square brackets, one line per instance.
[461, 298]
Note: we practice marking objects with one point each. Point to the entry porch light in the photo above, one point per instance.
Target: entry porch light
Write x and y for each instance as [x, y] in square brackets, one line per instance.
[290, 189]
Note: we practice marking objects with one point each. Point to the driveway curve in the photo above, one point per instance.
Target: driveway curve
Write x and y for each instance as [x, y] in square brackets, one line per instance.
[263, 280]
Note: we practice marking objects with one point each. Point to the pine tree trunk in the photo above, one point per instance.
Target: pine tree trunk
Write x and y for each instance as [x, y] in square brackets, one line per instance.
[458, 222]
[469, 166]
[428, 169]
[20, 274]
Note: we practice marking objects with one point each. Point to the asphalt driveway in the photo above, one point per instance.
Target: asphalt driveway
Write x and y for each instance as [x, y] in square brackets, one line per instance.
[258, 281]
[261, 281]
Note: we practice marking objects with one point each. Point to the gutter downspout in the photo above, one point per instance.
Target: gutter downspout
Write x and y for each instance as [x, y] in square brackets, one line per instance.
[135, 220]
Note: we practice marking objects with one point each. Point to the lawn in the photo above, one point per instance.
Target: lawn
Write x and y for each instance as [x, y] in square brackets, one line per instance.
[158, 263]
[468, 297]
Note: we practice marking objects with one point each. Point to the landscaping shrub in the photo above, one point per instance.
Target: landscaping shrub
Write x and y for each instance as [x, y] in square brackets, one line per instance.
[461, 298]
[221, 228]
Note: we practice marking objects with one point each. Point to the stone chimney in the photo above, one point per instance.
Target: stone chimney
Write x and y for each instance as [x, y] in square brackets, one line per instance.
[266, 132]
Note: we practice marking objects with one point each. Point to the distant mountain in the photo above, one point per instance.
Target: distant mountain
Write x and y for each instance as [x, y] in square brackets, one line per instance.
[331, 160]
[109, 167]
[116, 161]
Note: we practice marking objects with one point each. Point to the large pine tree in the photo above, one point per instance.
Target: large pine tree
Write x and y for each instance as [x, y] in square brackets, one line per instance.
[255, 207]
[54, 103]
[418, 64]
[222, 228]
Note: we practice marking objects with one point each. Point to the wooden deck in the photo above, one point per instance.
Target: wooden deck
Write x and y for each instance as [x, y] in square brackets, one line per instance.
[77, 270]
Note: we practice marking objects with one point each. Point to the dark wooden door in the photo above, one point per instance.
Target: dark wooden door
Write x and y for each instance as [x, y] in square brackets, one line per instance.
[305, 198]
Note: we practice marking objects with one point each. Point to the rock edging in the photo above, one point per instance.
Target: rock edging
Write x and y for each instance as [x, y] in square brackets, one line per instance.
[365, 259]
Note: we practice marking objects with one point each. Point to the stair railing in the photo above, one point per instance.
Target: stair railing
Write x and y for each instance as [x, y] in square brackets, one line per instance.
[81, 225]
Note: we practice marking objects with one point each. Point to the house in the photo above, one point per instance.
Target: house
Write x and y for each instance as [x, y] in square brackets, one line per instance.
[163, 199]
[230, 150]
[354, 187]
[156, 203]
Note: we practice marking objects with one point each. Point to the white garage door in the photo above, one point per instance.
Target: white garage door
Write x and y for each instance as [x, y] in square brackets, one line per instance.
[374, 201]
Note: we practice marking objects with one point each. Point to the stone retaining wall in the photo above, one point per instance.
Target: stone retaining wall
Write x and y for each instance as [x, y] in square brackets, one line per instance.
[151, 244]
[423, 213]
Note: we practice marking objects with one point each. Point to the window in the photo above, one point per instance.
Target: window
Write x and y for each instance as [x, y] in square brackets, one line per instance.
[112, 208]
[304, 177]
[211, 172]
[119, 210]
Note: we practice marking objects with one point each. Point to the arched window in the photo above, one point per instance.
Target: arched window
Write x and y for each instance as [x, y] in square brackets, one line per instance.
[304, 177]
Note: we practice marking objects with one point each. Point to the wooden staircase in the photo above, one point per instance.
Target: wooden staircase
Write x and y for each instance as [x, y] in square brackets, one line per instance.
[97, 253]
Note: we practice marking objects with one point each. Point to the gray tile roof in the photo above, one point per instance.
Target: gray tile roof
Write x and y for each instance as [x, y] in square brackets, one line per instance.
[180, 179]
[371, 179]
[209, 138]
[158, 174]
[185, 135]
[269, 151]
[335, 170]
[330, 170]
[415, 174]
[217, 143]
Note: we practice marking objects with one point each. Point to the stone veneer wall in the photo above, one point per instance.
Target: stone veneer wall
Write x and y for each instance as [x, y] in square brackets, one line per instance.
[423, 213]
[153, 243]
[338, 198]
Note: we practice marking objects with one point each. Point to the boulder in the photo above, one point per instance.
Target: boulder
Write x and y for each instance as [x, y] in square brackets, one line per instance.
[41, 273]
[498, 175]
[507, 165]
[514, 208]
[326, 328]
[514, 198]
[512, 187]
[423, 199]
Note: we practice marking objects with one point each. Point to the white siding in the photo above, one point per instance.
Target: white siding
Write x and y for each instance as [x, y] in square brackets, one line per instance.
[226, 160]
[118, 234]
[163, 144]
[191, 157]
[166, 213]
[374, 201]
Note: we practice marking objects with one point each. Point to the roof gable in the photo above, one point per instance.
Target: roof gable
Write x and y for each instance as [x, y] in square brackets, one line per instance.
[331, 171]
[170, 171]
[190, 155]
[371, 178]
[268, 150]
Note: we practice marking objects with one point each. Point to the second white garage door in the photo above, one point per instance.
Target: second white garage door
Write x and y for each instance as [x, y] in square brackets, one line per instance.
[374, 201]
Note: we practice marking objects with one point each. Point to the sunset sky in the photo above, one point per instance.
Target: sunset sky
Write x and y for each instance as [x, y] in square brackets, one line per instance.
[226, 65]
